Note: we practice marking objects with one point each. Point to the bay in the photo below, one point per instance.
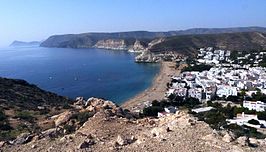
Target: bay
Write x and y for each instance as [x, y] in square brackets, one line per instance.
[108, 74]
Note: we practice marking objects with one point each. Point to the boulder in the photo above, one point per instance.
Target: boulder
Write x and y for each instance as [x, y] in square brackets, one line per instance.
[90, 109]
[63, 118]
[52, 133]
[2, 143]
[99, 103]
[23, 138]
[86, 144]
[79, 101]
[159, 130]
[253, 141]
[121, 141]
[243, 141]
[227, 138]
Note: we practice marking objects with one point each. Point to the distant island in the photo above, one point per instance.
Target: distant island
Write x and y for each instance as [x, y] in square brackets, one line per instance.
[21, 43]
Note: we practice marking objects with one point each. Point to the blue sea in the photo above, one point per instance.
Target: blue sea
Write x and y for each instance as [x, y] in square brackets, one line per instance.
[108, 74]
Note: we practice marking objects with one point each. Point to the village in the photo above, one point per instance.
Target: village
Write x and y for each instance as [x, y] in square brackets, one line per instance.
[226, 80]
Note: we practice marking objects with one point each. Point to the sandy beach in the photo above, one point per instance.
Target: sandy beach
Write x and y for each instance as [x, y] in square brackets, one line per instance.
[158, 88]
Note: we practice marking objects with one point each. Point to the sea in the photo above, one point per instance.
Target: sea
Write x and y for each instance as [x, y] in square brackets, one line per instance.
[108, 74]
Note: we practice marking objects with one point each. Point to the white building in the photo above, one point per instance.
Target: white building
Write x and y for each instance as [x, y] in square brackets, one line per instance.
[195, 93]
[254, 105]
[204, 109]
[242, 119]
[224, 90]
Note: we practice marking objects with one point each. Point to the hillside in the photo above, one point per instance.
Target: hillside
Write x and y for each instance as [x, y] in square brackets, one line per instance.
[126, 40]
[188, 44]
[100, 125]
[24, 106]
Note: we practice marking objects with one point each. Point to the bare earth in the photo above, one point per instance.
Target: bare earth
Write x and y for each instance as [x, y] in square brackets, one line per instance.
[157, 89]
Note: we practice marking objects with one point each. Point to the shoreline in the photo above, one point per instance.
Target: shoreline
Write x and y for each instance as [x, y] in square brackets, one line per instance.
[156, 91]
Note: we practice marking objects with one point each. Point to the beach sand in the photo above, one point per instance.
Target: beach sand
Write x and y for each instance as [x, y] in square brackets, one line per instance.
[158, 88]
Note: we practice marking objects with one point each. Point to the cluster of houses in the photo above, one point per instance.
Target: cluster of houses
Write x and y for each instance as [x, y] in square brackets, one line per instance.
[213, 56]
[210, 55]
[227, 78]
[218, 81]
[252, 58]
[243, 119]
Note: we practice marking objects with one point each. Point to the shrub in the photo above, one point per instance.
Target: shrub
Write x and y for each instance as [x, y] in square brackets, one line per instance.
[25, 115]
[2, 115]
[254, 122]
[262, 115]
[191, 102]
[152, 111]
[200, 68]
[69, 128]
[82, 117]
[5, 126]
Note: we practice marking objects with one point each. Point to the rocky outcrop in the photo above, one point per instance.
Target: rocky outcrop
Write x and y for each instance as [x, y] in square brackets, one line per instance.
[138, 47]
[63, 117]
[114, 44]
[146, 56]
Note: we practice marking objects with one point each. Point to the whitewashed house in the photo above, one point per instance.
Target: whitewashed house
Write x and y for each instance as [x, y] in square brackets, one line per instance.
[242, 119]
[224, 90]
[254, 105]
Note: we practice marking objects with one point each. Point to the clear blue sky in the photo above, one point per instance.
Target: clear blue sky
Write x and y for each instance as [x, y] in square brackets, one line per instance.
[38, 19]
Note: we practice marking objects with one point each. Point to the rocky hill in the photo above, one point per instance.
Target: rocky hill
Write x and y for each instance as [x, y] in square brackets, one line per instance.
[24, 107]
[188, 44]
[184, 42]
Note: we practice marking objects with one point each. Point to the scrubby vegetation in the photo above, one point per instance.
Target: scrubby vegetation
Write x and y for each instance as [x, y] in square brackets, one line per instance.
[216, 118]
[25, 115]
[82, 117]
[176, 102]
[195, 67]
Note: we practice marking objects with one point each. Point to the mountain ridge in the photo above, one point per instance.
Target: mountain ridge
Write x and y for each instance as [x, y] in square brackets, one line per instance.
[126, 40]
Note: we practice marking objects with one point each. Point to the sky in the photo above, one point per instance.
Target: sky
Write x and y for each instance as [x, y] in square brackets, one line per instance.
[30, 20]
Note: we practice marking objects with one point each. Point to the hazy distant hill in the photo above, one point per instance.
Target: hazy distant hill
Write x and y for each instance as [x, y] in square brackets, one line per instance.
[21, 43]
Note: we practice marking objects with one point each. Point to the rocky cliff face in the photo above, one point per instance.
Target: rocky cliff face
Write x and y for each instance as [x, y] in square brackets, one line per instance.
[114, 44]
[138, 46]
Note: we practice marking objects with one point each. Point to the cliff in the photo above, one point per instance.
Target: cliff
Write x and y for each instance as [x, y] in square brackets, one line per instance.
[118, 44]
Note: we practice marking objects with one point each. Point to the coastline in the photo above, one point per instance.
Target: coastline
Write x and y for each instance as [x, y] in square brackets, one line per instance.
[157, 89]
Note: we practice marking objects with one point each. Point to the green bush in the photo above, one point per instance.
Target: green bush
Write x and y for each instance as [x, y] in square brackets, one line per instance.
[200, 68]
[25, 115]
[152, 110]
[69, 128]
[261, 115]
[254, 122]
[82, 117]
[2, 115]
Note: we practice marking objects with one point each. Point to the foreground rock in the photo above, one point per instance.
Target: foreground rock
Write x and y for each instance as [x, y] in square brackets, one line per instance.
[108, 129]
